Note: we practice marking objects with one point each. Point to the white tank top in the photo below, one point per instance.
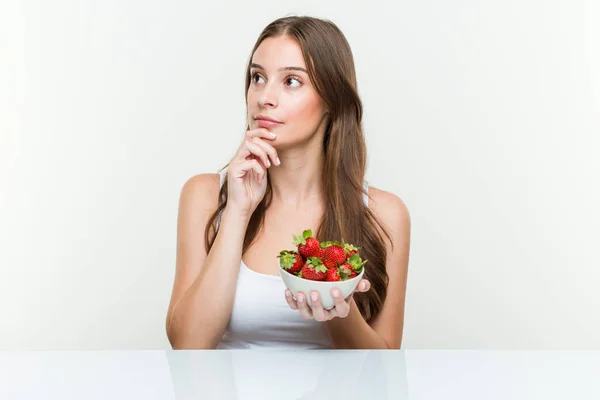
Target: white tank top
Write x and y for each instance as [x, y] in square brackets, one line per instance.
[261, 317]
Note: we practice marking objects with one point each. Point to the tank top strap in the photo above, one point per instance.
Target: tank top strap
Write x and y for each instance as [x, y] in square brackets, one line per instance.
[366, 193]
[222, 175]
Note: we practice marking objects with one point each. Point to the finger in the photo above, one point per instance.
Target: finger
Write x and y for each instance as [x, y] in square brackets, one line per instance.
[244, 152]
[341, 306]
[317, 308]
[246, 166]
[268, 149]
[364, 285]
[290, 300]
[257, 151]
[261, 132]
[303, 307]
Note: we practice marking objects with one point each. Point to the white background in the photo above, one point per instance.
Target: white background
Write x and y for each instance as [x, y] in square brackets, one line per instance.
[483, 116]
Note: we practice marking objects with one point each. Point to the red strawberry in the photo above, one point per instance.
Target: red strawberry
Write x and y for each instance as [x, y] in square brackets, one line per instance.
[333, 254]
[291, 261]
[350, 250]
[346, 270]
[353, 275]
[307, 245]
[333, 275]
[356, 263]
[314, 270]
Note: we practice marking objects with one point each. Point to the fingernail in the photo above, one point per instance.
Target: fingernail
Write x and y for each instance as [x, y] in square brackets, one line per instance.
[362, 285]
[268, 163]
[336, 293]
[313, 297]
[272, 134]
[287, 293]
[278, 162]
[300, 298]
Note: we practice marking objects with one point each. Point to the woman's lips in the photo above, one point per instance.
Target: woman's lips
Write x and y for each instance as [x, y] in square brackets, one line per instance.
[264, 123]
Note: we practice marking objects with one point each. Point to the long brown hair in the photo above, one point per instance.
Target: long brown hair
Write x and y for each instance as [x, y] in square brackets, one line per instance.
[330, 66]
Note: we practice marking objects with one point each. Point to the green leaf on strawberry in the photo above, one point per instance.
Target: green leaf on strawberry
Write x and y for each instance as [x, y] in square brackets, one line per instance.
[350, 247]
[356, 262]
[345, 270]
[330, 243]
[290, 261]
[298, 240]
[317, 264]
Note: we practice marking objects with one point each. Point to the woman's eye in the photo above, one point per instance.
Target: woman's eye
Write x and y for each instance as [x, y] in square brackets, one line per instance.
[291, 79]
[253, 77]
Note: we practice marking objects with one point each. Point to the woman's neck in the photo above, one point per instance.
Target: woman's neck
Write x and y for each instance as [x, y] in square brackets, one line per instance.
[297, 181]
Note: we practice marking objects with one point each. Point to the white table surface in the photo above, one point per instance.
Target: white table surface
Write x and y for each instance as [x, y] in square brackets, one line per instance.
[332, 374]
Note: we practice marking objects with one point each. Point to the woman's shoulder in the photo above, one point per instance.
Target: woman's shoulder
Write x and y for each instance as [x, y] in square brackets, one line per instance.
[202, 181]
[202, 190]
[388, 207]
[393, 213]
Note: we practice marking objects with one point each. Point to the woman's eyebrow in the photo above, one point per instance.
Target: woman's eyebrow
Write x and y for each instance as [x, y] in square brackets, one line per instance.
[253, 65]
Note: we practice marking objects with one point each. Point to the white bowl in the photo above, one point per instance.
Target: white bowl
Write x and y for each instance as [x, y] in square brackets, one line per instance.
[307, 286]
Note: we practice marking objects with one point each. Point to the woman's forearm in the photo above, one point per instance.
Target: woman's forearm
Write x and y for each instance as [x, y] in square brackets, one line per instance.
[353, 332]
[201, 315]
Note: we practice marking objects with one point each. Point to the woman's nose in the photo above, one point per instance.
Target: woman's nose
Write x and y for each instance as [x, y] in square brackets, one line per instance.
[268, 96]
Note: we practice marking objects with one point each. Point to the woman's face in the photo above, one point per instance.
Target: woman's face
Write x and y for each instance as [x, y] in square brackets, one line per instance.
[280, 89]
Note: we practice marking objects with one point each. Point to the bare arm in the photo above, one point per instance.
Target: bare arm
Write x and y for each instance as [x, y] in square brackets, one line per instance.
[385, 330]
[205, 284]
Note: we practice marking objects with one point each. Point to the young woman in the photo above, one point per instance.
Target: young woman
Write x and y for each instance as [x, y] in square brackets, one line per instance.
[301, 165]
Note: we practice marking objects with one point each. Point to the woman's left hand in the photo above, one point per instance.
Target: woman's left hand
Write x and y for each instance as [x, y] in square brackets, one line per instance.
[317, 312]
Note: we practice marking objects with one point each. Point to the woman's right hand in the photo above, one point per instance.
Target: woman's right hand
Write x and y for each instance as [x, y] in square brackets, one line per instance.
[247, 171]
